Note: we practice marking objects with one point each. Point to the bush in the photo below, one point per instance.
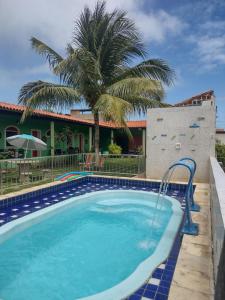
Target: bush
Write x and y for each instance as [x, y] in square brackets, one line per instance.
[220, 152]
[114, 149]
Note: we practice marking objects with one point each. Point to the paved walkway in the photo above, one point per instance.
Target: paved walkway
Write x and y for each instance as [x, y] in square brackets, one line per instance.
[193, 274]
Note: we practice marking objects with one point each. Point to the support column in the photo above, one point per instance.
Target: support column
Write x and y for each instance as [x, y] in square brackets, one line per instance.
[144, 141]
[52, 134]
[112, 137]
[90, 138]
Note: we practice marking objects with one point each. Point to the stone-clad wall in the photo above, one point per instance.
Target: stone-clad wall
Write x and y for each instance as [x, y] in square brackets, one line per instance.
[177, 132]
[217, 187]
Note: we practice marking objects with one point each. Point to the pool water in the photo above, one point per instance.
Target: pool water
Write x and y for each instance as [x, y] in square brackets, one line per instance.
[83, 249]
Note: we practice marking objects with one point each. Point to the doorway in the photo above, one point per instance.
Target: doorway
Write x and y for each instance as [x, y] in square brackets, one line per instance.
[36, 133]
[80, 137]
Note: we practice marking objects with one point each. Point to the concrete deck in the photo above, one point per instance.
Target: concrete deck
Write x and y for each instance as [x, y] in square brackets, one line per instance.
[193, 276]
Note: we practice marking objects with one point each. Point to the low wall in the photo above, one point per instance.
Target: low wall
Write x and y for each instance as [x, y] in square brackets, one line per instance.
[217, 186]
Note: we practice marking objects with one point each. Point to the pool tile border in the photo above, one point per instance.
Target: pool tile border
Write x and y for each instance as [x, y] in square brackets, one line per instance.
[158, 285]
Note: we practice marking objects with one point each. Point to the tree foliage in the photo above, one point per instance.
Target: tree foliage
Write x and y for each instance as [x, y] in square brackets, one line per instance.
[97, 70]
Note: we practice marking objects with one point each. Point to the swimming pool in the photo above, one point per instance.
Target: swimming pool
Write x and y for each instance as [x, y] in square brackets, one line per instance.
[101, 245]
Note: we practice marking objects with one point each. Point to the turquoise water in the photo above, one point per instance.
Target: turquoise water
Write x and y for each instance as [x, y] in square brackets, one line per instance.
[83, 250]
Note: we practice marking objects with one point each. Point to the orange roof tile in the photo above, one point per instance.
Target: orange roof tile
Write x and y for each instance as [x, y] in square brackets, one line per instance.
[42, 113]
[136, 124]
[220, 130]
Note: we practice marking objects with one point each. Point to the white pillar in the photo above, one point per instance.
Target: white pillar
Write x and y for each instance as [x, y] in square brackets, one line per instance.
[52, 134]
[144, 140]
[90, 138]
[112, 137]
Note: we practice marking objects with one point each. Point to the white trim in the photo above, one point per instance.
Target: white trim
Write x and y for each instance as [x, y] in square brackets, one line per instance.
[5, 142]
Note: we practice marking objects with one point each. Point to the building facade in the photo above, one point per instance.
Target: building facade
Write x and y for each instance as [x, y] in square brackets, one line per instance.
[63, 134]
[74, 132]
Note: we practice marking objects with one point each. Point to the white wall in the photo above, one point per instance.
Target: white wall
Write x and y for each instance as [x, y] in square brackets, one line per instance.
[166, 127]
[217, 195]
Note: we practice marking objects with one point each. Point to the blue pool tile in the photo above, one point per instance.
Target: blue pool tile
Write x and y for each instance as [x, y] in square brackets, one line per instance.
[151, 287]
[163, 290]
[165, 283]
[161, 297]
[15, 207]
[149, 294]
[140, 291]
[157, 275]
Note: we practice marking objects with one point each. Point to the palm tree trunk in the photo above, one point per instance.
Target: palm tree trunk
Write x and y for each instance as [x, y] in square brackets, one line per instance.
[96, 142]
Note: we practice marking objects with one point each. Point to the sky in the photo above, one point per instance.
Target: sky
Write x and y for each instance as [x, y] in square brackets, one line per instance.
[188, 34]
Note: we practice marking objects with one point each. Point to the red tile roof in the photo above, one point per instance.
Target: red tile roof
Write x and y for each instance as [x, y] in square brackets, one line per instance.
[131, 124]
[220, 130]
[203, 96]
[42, 113]
[135, 124]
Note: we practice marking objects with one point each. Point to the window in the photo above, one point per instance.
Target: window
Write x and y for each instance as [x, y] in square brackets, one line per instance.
[10, 131]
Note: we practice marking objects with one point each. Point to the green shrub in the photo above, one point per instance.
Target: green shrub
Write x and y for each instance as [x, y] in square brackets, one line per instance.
[140, 150]
[114, 149]
[220, 152]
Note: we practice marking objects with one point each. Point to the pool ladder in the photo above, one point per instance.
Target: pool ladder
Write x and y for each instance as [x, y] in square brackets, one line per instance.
[188, 227]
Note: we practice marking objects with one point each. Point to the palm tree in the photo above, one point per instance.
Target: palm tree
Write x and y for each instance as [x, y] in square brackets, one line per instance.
[97, 70]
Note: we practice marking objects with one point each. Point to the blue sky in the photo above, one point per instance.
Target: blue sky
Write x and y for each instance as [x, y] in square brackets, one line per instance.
[190, 35]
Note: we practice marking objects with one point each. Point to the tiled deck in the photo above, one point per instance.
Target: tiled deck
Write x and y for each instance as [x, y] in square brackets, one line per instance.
[193, 274]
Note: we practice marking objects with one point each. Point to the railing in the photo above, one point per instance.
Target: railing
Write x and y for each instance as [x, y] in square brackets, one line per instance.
[17, 173]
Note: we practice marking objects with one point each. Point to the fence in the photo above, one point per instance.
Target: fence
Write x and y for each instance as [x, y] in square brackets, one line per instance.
[17, 173]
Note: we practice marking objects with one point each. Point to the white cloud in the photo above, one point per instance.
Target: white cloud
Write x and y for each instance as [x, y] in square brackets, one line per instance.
[155, 26]
[52, 20]
[210, 50]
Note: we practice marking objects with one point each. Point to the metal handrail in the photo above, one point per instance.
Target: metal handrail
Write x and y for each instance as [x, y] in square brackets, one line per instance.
[189, 227]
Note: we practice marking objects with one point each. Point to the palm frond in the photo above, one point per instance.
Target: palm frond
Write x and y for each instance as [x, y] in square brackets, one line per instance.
[52, 56]
[112, 38]
[156, 69]
[96, 69]
[80, 67]
[140, 104]
[113, 109]
[46, 95]
[69, 49]
[131, 87]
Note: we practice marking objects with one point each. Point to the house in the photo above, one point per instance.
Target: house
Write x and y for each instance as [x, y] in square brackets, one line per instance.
[64, 133]
[198, 100]
[74, 132]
